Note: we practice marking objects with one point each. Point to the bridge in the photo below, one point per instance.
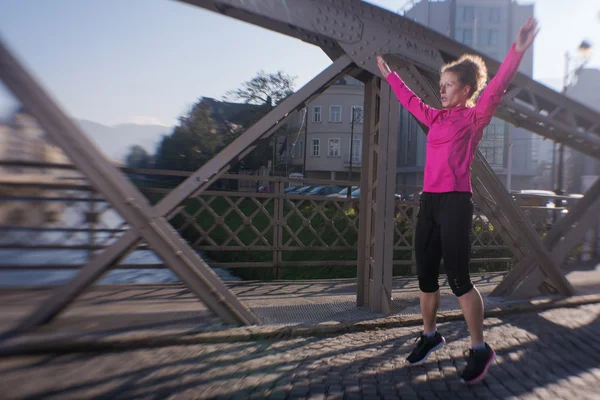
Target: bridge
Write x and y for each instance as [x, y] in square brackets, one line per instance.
[537, 259]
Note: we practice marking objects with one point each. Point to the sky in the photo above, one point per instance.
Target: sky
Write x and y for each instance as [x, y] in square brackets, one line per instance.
[148, 61]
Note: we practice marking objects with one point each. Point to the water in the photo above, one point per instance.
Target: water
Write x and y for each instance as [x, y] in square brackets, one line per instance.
[69, 257]
[70, 218]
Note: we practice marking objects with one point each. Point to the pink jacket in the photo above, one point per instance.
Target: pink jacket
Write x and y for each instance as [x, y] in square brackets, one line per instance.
[455, 133]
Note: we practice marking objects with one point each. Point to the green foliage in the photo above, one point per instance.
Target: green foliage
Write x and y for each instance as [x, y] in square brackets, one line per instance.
[138, 157]
[211, 125]
[193, 142]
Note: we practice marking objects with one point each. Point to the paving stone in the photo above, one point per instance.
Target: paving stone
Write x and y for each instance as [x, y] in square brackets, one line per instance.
[353, 365]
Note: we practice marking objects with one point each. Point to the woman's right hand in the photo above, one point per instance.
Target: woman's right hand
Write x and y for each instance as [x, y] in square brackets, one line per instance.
[383, 67]
[526, 35]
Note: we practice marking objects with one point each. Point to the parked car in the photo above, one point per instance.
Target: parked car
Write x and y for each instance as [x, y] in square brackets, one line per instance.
[266, 189]
[302, 190]
[324, 190]
[536, 198]
[291, 189]
[356, 193]
[342, 194]
[541, 199]
[573, 198]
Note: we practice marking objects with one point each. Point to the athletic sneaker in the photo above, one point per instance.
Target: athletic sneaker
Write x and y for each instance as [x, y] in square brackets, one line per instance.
[425, 347]
[478, 362]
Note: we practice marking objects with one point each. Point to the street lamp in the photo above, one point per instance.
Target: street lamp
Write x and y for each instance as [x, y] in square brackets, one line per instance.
[584, 51]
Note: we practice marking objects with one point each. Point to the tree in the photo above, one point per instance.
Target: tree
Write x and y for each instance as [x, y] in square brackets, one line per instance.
[138, 157]
[211, 125]
[193, 142]
[265, 88]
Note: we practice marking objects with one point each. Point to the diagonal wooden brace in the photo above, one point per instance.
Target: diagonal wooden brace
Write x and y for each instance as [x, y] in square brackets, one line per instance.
[567, 233]
[148, 222]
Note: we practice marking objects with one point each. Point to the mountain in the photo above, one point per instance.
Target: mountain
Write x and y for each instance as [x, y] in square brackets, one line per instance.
[115, 141]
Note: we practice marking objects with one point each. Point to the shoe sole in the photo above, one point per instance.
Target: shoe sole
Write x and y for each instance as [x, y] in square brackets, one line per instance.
[439, 346]
[483, 374]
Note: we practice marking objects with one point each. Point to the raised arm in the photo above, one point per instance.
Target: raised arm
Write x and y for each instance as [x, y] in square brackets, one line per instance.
[407, 98]
[491, 97]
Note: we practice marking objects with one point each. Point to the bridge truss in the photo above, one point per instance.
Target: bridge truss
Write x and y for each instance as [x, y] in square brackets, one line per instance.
[351, 33]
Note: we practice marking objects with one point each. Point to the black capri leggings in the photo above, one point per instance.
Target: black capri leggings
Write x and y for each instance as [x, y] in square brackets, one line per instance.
[444, 230]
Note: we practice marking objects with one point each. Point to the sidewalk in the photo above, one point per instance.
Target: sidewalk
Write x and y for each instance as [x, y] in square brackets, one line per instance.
[553, 354]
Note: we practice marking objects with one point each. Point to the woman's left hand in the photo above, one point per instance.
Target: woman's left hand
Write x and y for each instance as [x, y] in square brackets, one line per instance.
[526, 35]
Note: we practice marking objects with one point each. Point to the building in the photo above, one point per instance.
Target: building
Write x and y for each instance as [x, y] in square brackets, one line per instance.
[582, 170]
[326, 139]
[22, 139]
[579, 170]
[490, 27]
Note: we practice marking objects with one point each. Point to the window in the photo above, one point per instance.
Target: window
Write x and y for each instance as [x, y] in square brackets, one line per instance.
[492, 143]
[458, 35]
[300, 149]
[335, 114]
[467, 37]
[495, 15]
[334, 148]
[492, 37]
[356, 151]
[316, 147]
[317, 114]
[464, 13]
[357, 114]
[468, 14]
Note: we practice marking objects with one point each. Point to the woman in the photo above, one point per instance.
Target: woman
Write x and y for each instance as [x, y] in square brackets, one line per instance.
[446, 210]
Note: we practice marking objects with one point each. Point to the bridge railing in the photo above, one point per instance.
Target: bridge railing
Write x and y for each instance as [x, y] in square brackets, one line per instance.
[256, 224]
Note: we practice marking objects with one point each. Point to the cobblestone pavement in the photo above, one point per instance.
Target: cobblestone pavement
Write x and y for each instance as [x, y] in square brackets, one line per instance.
[143, 308]
[549, 355]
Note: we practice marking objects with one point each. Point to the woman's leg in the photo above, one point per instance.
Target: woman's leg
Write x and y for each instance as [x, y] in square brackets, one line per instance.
[456, 221]
[456, 224]
[472, 306]
[428, 254]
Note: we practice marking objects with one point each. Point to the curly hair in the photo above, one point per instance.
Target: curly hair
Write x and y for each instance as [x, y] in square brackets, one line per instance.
[470, 70]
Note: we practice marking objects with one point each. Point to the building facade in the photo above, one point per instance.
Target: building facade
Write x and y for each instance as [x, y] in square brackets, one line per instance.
[582, 170]
[325, 140]
[22, 139]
